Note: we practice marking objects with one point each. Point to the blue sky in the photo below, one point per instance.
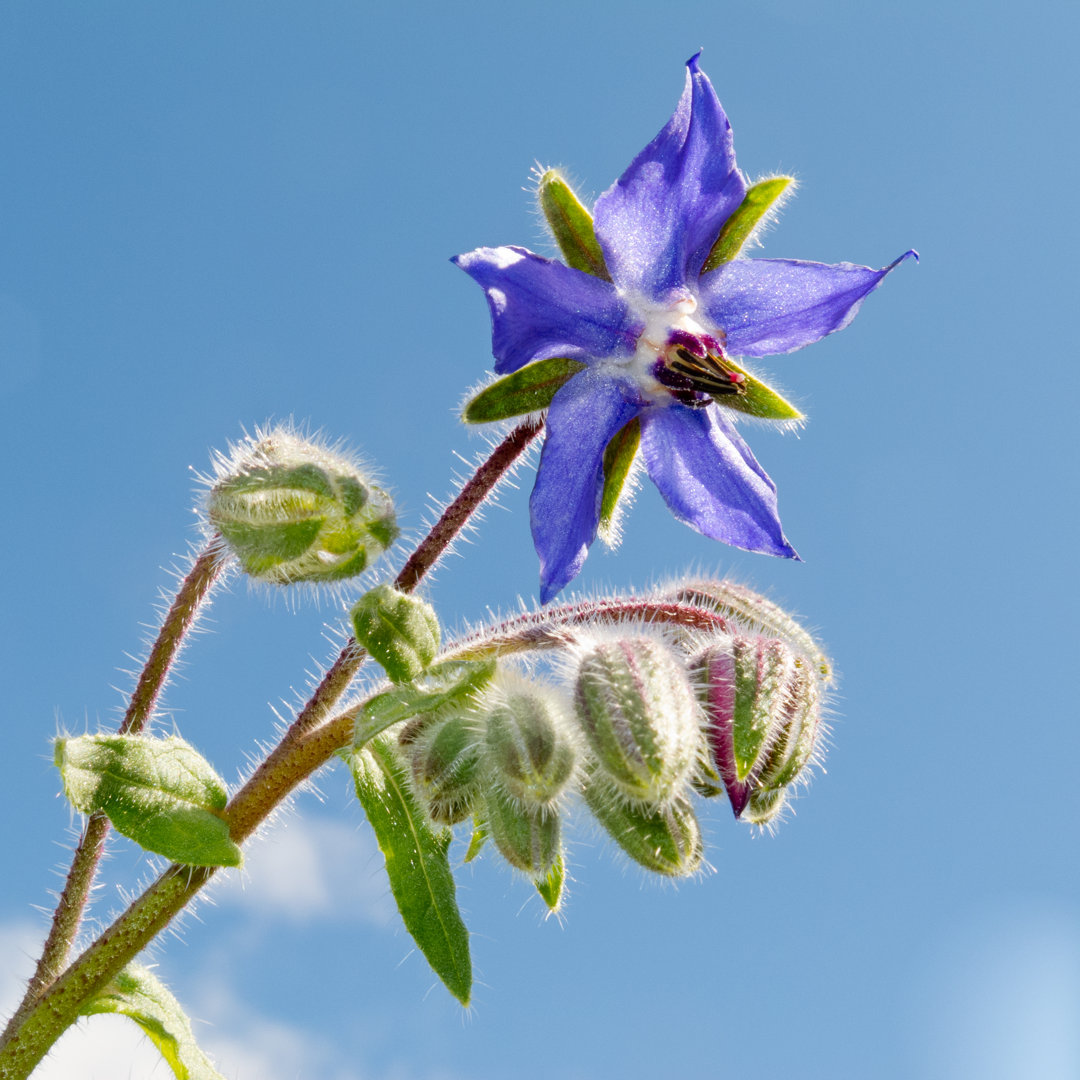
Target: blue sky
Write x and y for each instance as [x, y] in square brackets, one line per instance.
[219, 214]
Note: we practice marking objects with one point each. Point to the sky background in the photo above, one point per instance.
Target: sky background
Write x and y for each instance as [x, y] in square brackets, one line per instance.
[212, 215]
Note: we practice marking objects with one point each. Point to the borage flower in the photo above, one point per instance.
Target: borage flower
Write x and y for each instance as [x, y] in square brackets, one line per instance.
[653, 308]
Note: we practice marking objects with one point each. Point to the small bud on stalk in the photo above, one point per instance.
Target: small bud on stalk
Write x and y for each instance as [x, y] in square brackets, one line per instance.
[637, 710]
[291, 510]
[763, 705]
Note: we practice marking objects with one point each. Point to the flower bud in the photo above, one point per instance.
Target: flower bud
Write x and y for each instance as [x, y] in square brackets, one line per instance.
[400, 631]
[663, 839]
[529, 748]
[528, 838]
[291, 510]
[445, 763]
[763, 708]
[637, 710]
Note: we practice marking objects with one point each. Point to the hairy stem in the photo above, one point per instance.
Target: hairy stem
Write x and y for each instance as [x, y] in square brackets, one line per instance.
[453, 519]
[71, 905]
[55, 1005]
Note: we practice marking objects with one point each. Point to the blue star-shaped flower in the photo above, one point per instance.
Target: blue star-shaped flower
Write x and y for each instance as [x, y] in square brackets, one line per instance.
[656, 338]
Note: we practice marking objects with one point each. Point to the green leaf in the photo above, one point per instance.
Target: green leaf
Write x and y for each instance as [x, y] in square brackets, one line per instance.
[140, 995]
[571, 225]
[416, 863]
[757, 399]
[738, 229]
[527, 390]
[618, 459]
[550, 887]
[400, 631]
[451, 684]
[161, 793]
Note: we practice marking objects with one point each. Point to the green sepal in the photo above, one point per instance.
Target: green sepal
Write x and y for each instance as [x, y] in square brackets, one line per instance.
[571, 225]
[762, 669]
[401, 632]
[138, 994]
[757, 398]
[477, 840]
[161, 793]
[417, 863]
[739, 228]
[550, 886]
[618, 460]
[451, 684]
[528, 389]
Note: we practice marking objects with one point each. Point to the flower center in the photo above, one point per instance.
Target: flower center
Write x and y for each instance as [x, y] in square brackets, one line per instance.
[695, 368]
[678, 361]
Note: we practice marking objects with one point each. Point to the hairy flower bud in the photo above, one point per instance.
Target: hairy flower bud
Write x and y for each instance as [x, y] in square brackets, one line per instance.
[763, 706]
[528, 744]
[528, 838]
[445, 762]
[664, 839]
[291, 510]
[637, 710]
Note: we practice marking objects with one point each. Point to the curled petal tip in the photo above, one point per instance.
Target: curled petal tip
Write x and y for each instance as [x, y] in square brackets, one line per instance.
[692, 63]
[911, 253]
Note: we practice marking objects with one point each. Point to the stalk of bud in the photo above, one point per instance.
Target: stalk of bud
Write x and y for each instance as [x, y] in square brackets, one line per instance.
[763, 704]
[444, 758]
[637, 709]
[290, 510]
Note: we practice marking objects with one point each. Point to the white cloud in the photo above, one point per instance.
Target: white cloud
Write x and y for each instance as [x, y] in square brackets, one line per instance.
[307, 868]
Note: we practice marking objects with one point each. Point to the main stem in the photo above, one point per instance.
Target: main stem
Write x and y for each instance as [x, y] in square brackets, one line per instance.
[303, 749]
[72, 902]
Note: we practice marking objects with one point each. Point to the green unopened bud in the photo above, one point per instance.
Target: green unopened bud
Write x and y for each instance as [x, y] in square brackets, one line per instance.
[763, 709]
[400, 631]
[445, 763]
[290, 510]
[528, 744]
[663, 839]
[528, 838]
[638, 713]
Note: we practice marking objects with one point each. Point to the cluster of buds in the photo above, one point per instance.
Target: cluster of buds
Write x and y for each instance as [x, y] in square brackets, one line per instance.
[647, 720]
[507, 760]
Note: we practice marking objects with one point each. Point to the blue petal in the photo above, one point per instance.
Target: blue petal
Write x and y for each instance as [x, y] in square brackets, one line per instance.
[565, 503]
[710, 480]
[768, 306]
[541, 309]
[657, 223]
